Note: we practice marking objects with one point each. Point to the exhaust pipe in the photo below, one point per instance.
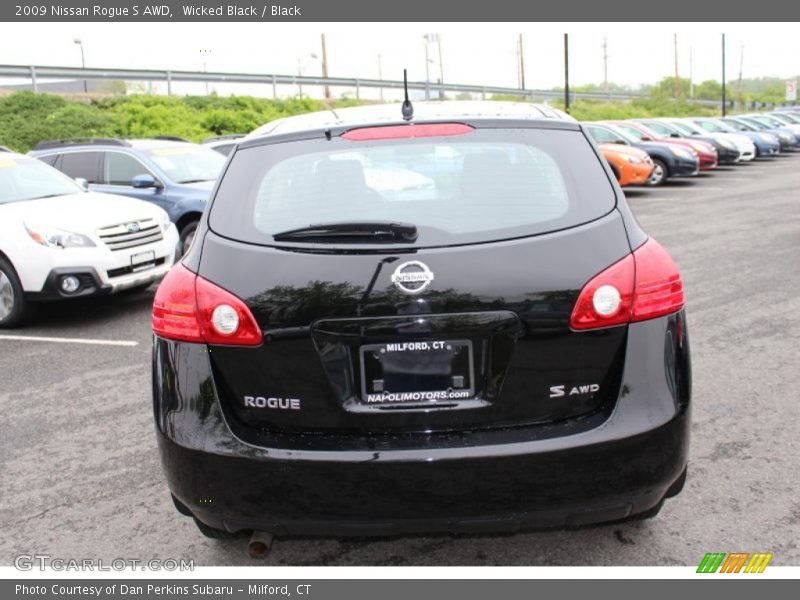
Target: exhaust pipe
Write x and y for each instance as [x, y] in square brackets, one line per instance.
[260, 544]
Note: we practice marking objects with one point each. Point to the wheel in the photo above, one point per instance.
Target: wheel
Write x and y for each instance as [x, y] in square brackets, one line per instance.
[677, 487]
[212, 533]
[187, 235]
[659, 174]
[14, 308]
[649, 514]
[616, 173]
[137, 288]
[180, 506]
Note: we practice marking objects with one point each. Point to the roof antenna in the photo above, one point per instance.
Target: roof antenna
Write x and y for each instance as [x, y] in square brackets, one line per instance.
[408, 109]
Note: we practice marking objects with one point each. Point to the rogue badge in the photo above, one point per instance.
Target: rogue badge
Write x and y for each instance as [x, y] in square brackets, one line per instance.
[412, 277]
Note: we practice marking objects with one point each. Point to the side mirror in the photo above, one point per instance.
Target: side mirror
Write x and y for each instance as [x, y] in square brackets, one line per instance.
[647, 138]
[675, 135]
[621, 142]
[84, 183]
[145, 181]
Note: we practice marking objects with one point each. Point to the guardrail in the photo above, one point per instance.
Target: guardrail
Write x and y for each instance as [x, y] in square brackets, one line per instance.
[36, 73]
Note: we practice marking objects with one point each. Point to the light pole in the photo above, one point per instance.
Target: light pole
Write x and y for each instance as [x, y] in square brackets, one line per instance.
[724, 106]
[301, 69]
[427, 71]
[566, 73]
[433, 38]
[83, 62]
[380, 73]
[324, 61]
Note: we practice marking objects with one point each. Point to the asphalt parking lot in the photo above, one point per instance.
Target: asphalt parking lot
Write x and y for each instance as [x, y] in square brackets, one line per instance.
[81, 476]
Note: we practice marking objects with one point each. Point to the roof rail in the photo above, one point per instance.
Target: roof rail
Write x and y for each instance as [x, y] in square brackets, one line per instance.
[170, 138]
[46, 145]
[219, 138]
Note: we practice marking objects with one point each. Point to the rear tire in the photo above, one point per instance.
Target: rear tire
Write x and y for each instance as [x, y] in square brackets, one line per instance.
[660, 173]
[650, 513]
[616, 173]
[213, 533]
[137, 288]
[677, 487]
[187, 235]
[14, 308]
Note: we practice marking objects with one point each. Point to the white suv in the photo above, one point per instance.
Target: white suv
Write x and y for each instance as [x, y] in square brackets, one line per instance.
[59, 241]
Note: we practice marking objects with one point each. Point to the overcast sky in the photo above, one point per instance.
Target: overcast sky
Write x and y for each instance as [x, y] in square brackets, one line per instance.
[471, 53]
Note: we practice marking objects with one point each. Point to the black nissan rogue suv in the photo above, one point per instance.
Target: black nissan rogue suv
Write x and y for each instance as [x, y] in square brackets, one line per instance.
[441, 322]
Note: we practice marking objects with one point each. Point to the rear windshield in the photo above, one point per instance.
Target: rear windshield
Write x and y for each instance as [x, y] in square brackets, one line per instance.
[486, 185]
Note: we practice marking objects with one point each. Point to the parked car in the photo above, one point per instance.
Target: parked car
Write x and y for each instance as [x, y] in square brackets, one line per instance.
[224, 144]
[490, 356]
[787, 117]
[774, 124]
[766, 144]
[59, 241]
[745, 146]
[786, 138]
[631, 166]
[175, 175]
[705, 152]
[727, 153]
[668, 160]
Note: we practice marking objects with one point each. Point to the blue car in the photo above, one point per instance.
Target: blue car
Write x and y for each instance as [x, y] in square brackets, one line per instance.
[767, 144]
[176, 175]
[787, 137]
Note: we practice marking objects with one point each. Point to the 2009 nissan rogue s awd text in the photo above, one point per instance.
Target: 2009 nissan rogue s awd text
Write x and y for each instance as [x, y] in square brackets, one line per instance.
[449, 322]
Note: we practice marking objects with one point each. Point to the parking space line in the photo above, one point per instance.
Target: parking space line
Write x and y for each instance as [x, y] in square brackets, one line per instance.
[60, 340]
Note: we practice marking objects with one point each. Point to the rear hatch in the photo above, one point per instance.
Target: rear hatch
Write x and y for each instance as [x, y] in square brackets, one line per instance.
[415, 283]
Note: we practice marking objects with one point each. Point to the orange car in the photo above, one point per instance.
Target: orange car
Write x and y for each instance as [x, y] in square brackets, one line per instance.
[631, 165]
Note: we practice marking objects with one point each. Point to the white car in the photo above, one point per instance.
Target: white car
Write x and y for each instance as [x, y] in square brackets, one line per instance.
[745, 146]
[59, 241]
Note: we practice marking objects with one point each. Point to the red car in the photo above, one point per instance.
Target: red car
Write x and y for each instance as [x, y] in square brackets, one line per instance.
[706, 153]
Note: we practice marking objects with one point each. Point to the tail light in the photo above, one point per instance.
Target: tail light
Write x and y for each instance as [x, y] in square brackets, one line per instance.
[643, 285]
[192, 309]
[395, 132]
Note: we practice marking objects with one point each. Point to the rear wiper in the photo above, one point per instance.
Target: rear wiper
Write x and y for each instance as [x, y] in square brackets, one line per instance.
[355, 231]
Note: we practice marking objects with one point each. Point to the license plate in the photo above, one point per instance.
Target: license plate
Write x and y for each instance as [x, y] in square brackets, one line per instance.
[418, 372]
[143, 260]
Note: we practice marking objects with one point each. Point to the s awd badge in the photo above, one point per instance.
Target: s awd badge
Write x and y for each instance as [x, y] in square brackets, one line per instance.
[559, 391]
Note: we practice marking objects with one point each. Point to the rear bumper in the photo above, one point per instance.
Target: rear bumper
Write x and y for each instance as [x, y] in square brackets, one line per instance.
[493, 481]
[557, 489]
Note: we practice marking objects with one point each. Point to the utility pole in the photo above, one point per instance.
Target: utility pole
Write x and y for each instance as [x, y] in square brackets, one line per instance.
[325, 67]
[521, 64]
[691, 73]
[427, 72]
[677, 80]
[566, 72]
[605, 68]
[299, 74]
[441, 66]
[380, 73]
[724, 107]
[741, 65]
